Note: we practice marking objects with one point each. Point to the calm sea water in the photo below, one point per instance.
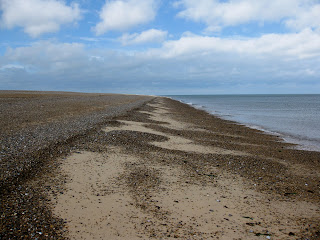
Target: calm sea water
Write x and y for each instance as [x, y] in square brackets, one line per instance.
[296, 118]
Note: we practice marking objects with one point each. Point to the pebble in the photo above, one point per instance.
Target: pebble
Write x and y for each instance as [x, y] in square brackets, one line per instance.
[25, 151]
[41, 141]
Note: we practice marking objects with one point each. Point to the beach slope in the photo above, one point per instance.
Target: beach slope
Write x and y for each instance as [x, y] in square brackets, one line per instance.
[161, 169]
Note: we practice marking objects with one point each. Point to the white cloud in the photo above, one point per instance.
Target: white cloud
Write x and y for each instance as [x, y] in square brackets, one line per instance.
[305, 44]
[89, 39]
[124, 14]
[47, 55]
[11, 66]
[151, 35]
[191, 64]
[309, 18]
[37, 17]
[296, 14]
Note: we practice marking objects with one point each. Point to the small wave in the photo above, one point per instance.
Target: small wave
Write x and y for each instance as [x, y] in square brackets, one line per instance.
[193, 104]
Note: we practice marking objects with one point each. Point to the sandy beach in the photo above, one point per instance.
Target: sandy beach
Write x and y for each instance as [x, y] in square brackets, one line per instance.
[90, 166]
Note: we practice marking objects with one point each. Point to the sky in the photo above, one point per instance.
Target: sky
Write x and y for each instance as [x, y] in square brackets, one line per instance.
[161, 47]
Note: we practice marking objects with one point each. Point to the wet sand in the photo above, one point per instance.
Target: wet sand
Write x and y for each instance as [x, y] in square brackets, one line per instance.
[164, 170]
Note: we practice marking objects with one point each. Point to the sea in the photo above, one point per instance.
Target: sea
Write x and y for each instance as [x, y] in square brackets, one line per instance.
[295, 118]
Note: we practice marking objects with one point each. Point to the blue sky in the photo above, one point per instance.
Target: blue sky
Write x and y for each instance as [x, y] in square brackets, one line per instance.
[161, 47]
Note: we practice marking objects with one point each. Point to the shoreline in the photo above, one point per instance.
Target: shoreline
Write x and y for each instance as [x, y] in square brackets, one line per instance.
[167, 170]
[302, 143]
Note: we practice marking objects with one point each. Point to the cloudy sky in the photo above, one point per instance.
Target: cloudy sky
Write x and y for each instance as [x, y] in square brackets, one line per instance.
[161, 46]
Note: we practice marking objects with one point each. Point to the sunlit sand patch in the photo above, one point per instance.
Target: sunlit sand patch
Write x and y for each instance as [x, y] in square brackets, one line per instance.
[170, 123]
[182, 144]
[157, 105]
[133, 126]
[174, 142]
[162, 114]
[92, 204]
[230, 210]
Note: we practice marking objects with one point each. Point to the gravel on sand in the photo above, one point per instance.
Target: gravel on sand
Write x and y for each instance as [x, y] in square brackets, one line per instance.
[171, 171]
